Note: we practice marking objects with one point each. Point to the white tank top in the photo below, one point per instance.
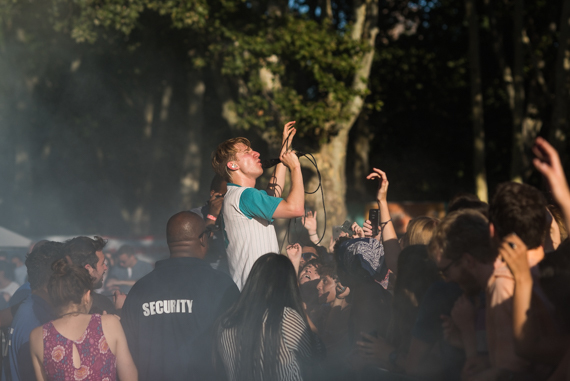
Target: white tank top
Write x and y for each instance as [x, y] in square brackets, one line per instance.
[248, 238]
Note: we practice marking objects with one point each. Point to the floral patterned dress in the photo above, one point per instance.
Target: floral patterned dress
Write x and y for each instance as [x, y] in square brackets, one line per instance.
[98, 363]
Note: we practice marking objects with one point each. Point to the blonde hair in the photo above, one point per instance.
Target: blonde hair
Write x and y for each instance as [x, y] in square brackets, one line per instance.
[419, 231]
[225, 153]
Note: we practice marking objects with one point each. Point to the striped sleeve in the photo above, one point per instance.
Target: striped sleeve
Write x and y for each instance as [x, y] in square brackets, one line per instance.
[299, 338]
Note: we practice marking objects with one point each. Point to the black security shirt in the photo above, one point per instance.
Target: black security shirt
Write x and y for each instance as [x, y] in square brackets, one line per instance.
[168, 317]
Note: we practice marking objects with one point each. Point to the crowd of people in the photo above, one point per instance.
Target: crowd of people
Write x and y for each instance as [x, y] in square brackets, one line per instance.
[478, 295]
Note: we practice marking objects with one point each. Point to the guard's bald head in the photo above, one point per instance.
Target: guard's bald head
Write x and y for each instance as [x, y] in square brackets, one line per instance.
[183, 235]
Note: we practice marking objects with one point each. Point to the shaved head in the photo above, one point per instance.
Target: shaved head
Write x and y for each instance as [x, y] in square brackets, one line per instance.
[183, 232]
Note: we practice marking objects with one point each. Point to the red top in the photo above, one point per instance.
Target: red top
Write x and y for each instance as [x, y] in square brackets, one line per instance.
[98, 363]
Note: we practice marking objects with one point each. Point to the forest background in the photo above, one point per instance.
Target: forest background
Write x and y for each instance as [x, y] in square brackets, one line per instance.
[110, 109]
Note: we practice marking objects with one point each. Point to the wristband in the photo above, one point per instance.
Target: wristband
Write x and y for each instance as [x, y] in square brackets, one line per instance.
[210, 217]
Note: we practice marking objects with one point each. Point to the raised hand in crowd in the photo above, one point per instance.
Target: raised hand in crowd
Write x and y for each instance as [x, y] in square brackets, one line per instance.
[214, 206]
[358, 232]
[388, 233]
[309, 221]
[548, 163]
[294, 253]
[277, 181]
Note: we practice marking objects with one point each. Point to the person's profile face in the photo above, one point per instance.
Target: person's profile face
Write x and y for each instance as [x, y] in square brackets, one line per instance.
[248, 160]
[99, 270]
[326, 289]
[308, 273]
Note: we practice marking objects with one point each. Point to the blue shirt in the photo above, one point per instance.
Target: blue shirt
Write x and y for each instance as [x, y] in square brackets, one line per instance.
[33, 312]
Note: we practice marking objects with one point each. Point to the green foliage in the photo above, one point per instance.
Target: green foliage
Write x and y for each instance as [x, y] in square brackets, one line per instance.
[313, 67]
[312, 63]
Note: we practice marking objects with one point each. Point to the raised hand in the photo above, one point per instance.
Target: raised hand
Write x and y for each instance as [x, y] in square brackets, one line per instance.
[514, 253]
[310, 222]
[288, 139]
[290, 159]
[358, 232]
[382, 184]
[367, 228]
[215, 204]
[548, 163]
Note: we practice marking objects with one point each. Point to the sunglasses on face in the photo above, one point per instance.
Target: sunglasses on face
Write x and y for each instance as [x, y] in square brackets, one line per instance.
[308, 256]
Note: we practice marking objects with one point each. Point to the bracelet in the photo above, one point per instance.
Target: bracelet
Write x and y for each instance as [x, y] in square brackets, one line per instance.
[384, 223]
[310, 235]
[210, 217]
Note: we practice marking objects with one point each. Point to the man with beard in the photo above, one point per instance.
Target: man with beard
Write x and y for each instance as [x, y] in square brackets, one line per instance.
[87, 252]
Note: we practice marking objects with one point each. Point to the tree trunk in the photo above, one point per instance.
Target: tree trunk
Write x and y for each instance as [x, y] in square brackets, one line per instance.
[331, 160]
[559, 128]
[331, 157]
[476, 102]
[362, 145]
[192, 161]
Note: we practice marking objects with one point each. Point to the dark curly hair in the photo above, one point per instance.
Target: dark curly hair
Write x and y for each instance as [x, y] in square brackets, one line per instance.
[39, 262]
[83, 250]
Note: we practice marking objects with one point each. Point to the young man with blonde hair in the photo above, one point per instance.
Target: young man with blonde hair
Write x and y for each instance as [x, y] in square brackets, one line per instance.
[248, 212]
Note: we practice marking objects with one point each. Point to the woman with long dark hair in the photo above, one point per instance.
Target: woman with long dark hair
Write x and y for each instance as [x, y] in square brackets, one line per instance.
[266, 335]
[79, 346]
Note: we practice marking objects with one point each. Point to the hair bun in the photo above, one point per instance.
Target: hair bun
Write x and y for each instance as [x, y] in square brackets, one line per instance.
[61, 267]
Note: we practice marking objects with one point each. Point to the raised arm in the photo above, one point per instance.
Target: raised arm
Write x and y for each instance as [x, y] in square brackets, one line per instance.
[294, 204]
[529, 342]
[388, 233]
[277, 181]
[310, 223]
[547, 161]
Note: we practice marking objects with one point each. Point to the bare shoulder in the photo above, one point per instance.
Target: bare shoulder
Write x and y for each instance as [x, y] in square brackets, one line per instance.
[110, 323]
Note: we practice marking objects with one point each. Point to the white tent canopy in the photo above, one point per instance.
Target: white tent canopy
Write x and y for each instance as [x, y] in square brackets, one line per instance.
[10, 239]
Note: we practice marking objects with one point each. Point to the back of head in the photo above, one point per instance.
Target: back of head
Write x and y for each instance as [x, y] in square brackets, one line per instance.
[520, 209]
[39, 262]
[218, 184]
[83, 250]
[468, 201]
[465, 231]
[416, 272]
[258, 315]
[271, 284]
[225, 153]
[183, 235]
[420, 230]
[67, 284]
